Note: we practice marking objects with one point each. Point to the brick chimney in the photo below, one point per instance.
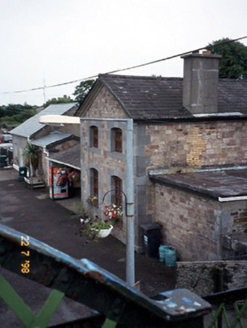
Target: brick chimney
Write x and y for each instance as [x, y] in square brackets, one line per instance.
[200, 84]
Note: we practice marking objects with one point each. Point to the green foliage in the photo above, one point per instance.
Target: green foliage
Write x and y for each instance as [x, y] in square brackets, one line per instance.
[90, 224]
[15, 114]
[233, 64]
[82, 90]
[30, 154]
[59, 100]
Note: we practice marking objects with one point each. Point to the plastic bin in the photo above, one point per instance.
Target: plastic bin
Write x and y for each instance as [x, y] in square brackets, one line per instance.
[162, 252]
[167, 254]
[22, 173]
[171, 257]
[151, 238]
[3, 160]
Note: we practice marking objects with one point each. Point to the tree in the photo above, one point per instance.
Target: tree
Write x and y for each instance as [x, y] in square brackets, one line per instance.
[14, 114]
[59, 100]
[233, 64]
[82, 90]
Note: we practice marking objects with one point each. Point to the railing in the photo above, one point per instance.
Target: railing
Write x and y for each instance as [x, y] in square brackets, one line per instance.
[117, 303]
[229, 308]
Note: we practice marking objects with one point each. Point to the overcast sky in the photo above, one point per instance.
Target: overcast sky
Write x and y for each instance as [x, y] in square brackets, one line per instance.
[56, 41]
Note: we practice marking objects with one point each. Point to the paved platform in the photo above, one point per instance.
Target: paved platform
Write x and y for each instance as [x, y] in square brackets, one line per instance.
[33, 213]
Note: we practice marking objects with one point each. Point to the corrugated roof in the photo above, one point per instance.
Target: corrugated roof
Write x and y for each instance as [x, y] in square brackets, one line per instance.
[32, 125]
[161, 98]
[70, 157]
[50, 139]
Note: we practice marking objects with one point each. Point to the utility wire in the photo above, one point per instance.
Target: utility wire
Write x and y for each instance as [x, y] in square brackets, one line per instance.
[128, 68]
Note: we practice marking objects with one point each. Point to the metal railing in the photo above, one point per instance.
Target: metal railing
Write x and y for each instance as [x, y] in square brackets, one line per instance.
[116, 303]
[229, 309]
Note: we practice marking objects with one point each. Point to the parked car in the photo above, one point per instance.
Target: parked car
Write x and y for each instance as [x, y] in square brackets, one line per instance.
[6, 138]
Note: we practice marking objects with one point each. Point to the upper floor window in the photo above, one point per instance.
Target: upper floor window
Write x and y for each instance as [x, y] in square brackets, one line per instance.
[94, 184]
[117, 185]
[116, 136]
[94, 136]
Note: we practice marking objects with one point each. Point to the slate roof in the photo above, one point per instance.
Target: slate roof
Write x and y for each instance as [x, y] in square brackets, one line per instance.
[145, 97]
[70, 157]
[51, 139]
[32, 125]
[222, 183]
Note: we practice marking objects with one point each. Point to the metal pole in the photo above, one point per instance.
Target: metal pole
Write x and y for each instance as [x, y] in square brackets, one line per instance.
[130, 235]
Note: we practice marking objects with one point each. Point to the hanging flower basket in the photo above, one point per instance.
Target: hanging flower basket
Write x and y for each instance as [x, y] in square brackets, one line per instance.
[103, 233]
[74, 178]
[114, 213]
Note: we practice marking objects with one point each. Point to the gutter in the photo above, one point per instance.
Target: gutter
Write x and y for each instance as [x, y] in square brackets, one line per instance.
[231, 199]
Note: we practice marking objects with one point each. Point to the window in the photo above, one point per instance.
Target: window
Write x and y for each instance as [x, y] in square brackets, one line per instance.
[117, 185]
[94, 136]
[94, 184]
[117, 140]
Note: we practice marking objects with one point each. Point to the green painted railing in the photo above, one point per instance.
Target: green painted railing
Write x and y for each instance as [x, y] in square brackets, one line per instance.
[23, 312]
[83, 281]
[229, 307]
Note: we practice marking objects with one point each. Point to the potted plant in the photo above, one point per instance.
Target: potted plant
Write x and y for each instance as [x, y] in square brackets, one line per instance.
[93, 226]
[74, 177]
[31, 155]
[113, 212]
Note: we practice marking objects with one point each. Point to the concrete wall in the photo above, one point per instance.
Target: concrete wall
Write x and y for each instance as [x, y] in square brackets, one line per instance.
[205, 278]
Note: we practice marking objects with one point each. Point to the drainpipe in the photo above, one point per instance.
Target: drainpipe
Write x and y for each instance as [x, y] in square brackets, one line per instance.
[130, 235]
[46, 153]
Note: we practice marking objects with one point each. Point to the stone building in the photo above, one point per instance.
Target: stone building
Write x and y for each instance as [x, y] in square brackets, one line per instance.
[47, 138]
[188, 155]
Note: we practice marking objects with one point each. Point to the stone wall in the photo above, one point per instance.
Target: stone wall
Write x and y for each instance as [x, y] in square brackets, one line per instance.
[190, 223]
[70, 143]
[205, 278]
[106, 162]
[198, 226]
[197, 144]
[186, 146]
[105, 105]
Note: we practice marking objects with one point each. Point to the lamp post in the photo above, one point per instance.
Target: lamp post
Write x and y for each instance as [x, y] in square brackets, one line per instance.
[130, 245]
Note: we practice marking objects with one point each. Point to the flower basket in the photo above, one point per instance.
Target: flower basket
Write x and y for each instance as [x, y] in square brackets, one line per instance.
[74, 177]
[103, 233]
[114, 213]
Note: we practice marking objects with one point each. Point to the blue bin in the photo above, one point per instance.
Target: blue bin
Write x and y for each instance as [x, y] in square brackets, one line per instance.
[171, 257]
[162, 252]
[167, 254]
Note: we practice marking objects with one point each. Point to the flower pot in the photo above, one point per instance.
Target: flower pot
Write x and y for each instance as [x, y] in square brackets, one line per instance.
[103, 233]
